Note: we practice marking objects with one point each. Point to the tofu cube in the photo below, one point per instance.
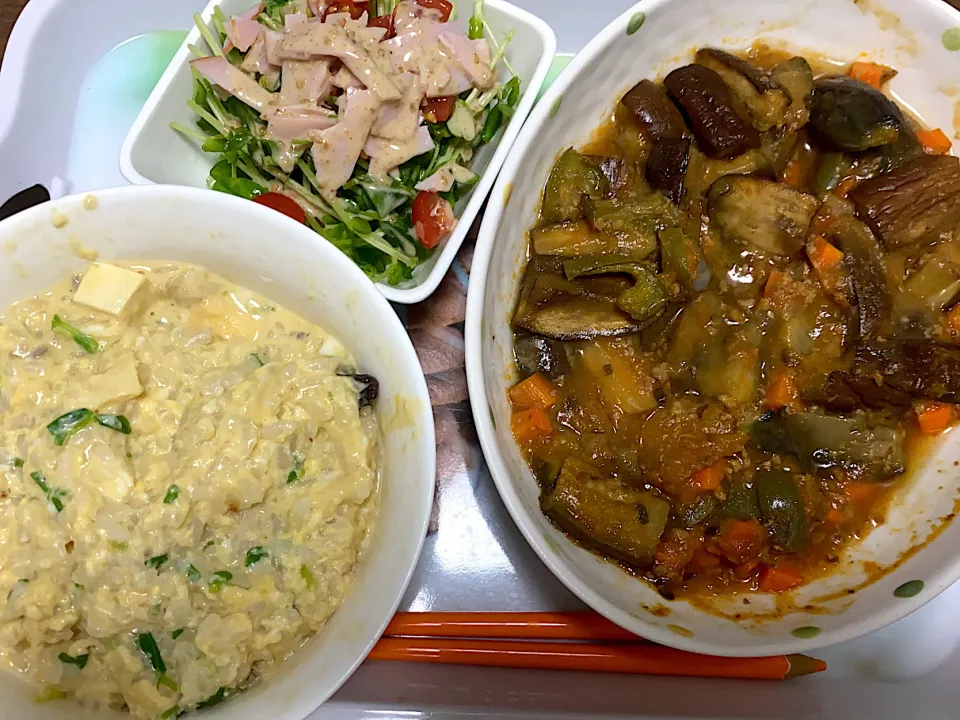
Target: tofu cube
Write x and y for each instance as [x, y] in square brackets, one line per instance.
[119, 382]
[108, 288]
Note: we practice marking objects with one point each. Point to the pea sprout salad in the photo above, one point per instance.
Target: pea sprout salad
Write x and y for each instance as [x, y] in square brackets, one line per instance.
[358, 118]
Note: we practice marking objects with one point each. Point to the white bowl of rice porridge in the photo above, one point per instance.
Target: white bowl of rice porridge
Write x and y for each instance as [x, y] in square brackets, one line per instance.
[216, 460]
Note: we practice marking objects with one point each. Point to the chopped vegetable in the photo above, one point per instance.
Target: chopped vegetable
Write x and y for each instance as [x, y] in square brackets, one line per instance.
[781, 577]
[823, 256]
[148, 645]
[255, 555]
[173, 492]
[62, 327]
[283, 205]
[934, 418]
[307, 576]
[218, 697]
[935, 142]
[764, 98]
[192, 573]
[157, 561]
[742, 540]
[572, 178]
[80, 660]
[171, 713]
[433, 218]
[167, 682]
[218, 580]
[796, 77]
[535, 391]
[74, 421]
[710, 477]
[782, 509]
[531, 424]
[537, 354]
[741, 502]
[851, 116]
[53, 495]
[176, 633]
[297, 472]
[873, 74]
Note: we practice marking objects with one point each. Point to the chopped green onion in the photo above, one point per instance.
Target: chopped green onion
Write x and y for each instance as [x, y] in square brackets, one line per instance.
[17, 462]
[476, 28]
[49, 694]
[306, 575]
[491, 126]
[74, 421]
[171, 713]
[297, 472]
[255, 555]
[167, 682]
[258, 359]
[193, 573]
[52, 494]
[177, 633]
[149, 648]
[80, 660]
[218, 697]
[218, 580]
[173, 492]
[157, 561]
[62, 327]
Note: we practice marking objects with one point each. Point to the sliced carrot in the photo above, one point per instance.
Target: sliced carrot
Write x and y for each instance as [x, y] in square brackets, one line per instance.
[773, 280]
[794, 173]
[780, 577]
[704, 559]
[845, 186]
[934, 417]
[781, 392]
[709, 478]
[860, 493]
[835, 517]
[934, 142]
[536, 391]
[872, 74]
[823, 256]
[530, 424]
[742, 540]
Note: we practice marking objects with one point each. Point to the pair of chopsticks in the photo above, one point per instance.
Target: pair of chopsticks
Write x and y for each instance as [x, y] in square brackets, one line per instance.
[581, 641]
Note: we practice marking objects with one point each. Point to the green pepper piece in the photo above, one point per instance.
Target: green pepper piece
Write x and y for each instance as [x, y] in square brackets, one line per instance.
[644, 302]
[697, 511]
[833, 166]
[572, 177]
[741, 502]
[782, 509]
[679, 257]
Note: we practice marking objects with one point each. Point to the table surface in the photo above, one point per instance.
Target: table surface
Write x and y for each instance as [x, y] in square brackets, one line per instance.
[10, 9]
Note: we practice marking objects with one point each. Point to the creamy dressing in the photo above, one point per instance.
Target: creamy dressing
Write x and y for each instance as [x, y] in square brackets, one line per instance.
[213, 502]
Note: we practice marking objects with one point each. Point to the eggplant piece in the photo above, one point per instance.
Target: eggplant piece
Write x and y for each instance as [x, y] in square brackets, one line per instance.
[763, 97]
[916, 369]
[777, 148]
[849, 115]
[931, 288]
[644, 302]
[796, 76]
[616, 172]
[573, 176]
[606, 515]
[667, 166]
[679, 257]
[654, 111]
[741, 502]
[578, 238]
[537, 354]
[768, 215]
[914, 203]
[702, 172]
[721, 131]
[823, 441]
[863, 259]
[781, 507]
[572, 317]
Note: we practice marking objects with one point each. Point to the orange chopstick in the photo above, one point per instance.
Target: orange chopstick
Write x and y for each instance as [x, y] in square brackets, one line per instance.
[636, 659]
[513, 625]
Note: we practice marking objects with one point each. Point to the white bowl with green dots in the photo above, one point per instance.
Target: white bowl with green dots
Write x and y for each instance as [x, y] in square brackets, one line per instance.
[298, 269]
[899, 566]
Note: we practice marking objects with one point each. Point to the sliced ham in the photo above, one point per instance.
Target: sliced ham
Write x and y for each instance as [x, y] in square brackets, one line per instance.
[242, 33]
[473, 56]
[388, 154]
[317, 7]
[236, 82]
[293, 19]
[440, 181]
[442, 75]
[298, 122]
[332, 40]
[409, 16]
[344, 79]
[336, 149]
[398, 119]
[304, 81]
[256, 59]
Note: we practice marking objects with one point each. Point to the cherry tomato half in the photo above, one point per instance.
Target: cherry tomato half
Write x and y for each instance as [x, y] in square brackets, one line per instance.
[385, 22]
[433, 218]
[283, 204]
[356, 8]
[438, 109]
[444, 7]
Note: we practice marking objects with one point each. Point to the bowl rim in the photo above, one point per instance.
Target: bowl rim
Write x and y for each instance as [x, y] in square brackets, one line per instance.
[228, 205]
[444, 259]
[503, 479]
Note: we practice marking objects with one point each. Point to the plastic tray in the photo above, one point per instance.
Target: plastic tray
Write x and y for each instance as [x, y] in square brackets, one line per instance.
[62, 123]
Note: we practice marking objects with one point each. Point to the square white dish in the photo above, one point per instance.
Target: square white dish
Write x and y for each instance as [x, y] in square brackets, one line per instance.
[647, 41]
[154, 153]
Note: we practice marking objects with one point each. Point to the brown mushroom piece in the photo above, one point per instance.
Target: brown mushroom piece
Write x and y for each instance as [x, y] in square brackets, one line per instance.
[916, 202]
[709, 105]
[654, 111]
[667, 166]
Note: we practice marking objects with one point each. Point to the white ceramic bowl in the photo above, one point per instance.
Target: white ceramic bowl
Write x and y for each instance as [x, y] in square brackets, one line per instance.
[645, 42]
[153, 153]
[301, 271]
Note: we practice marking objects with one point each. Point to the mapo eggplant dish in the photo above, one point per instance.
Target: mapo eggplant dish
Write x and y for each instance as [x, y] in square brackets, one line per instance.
[737, 319]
